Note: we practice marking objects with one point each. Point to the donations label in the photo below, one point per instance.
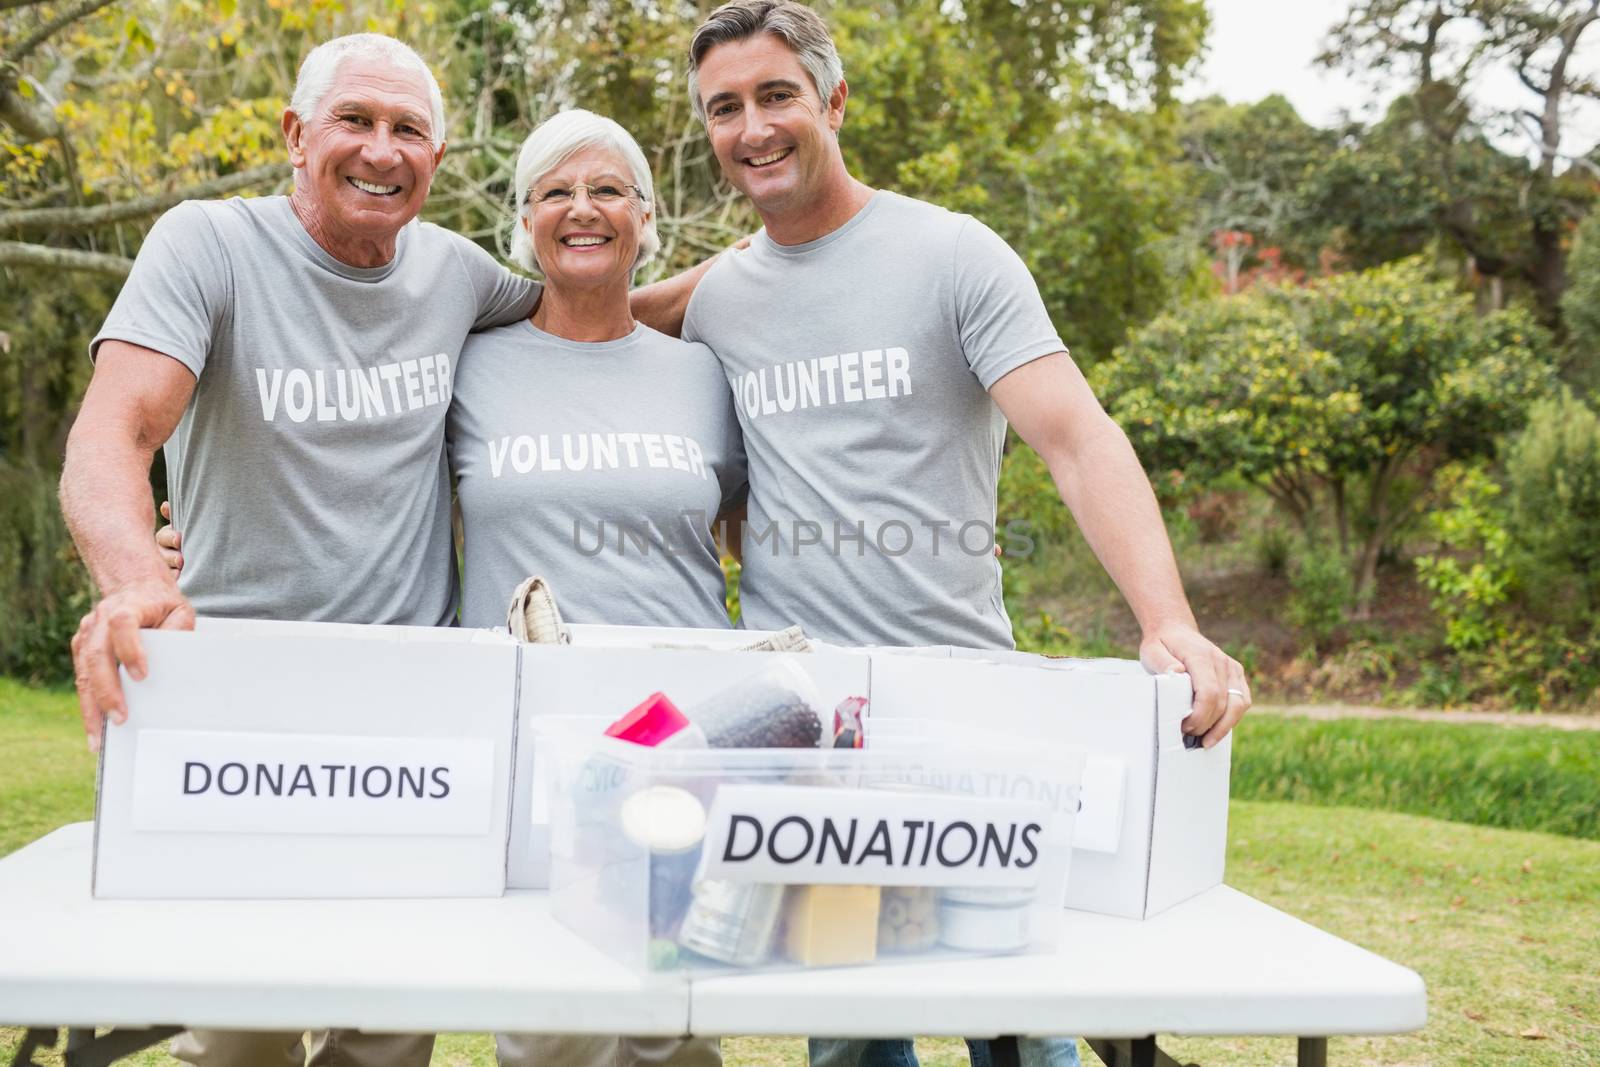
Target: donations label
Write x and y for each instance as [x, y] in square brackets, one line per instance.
[822, 836]
[193, 781]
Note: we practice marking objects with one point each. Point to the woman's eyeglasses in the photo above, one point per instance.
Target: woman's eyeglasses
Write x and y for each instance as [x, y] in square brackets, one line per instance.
[604, 191]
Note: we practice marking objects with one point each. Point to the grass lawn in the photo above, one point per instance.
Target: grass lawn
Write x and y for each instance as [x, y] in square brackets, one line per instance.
[1503, 925]
[1512, 776]
[48, 774]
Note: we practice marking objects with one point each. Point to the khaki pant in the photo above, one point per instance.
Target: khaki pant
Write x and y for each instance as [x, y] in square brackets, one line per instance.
[603, 1050]
[329, 1048]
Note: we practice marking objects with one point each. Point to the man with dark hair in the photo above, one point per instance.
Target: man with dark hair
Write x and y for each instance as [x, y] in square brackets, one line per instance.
[877, 346]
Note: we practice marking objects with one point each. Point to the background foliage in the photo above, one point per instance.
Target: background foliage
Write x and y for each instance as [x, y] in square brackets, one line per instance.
[1326, 343]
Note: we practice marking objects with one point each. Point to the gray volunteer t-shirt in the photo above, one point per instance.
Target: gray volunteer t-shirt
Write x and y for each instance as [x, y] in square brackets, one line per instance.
[861, 364]
[308, 474]
[599, 466]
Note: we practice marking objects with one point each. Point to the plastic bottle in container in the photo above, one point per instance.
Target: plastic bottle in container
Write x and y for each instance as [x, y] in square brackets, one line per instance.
[670, 824]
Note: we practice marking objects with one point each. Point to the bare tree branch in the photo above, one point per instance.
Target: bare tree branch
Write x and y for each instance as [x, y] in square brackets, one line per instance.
[35, 199]
[81, 10]
[28, 117]
[1522, 75]
[21, 254]
[1531, 128]
[83, 218]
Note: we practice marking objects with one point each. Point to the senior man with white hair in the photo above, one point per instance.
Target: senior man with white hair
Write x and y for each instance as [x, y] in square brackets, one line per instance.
[296, 356]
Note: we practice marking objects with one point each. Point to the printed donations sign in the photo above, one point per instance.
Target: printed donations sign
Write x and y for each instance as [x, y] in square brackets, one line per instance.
[805, 835]
[243, 783]
[298, 760]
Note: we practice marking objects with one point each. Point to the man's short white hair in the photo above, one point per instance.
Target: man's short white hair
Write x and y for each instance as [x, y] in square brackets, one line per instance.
[558, 139]
[321, 67]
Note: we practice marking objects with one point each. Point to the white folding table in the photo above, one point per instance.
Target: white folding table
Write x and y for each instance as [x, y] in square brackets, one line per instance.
[1221, 963]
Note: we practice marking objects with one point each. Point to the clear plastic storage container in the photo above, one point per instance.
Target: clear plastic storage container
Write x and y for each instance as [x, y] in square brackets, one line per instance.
[928, 841]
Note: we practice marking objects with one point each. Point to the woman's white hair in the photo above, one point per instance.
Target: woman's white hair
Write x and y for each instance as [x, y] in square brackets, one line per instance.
[321, 66]
[555, 141]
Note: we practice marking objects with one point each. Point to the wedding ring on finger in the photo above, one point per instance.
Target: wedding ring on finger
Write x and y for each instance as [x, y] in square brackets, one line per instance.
[1236, 693]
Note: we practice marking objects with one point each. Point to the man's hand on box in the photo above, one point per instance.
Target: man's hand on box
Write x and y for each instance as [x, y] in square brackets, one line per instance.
[108, 636]
[1221, 693]
[170, 541]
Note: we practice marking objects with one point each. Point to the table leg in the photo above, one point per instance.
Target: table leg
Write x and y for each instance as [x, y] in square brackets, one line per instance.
[1312, 1052]
[33, 1040]
[1003, 1052]
[85, 1049]
[1131, 1052]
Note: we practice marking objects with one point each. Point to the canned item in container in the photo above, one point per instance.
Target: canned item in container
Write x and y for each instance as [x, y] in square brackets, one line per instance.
[732, 922]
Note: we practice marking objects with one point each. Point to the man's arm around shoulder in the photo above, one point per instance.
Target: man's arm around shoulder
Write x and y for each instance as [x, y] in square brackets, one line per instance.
[663, 305]
[133, 404]
[1102, 483]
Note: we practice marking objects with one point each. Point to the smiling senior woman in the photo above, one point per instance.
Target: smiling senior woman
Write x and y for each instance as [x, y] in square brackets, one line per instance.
[591, 449]
[587, 447]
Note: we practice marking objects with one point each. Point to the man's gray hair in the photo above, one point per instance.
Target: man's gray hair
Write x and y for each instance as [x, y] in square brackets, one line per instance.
[558, 139]
[321, 66]
[796, 25]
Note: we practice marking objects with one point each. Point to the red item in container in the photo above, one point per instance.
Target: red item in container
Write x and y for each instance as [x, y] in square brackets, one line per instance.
[650, 723]
[847, 726]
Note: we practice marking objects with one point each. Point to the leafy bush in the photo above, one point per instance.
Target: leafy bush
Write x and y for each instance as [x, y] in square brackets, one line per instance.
[1540, 666]
[1358, 664]
[1513, 642]
[1468, 596]
[1273, 549]
[1553, 493]
[1320, 595]
[46, 591]
[1214, 515]
[1027, 493]
[1041, 633]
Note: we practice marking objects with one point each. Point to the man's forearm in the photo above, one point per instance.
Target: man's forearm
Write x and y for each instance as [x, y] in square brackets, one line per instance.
[105, 496]
[662, 305]
[1106, 489]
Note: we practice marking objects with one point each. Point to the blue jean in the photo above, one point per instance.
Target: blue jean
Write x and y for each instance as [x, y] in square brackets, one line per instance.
[899, 1052]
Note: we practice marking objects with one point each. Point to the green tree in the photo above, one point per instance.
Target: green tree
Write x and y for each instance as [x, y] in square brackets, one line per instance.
[113, 113]
[1443, 46]
[1219, 387]
[1423, 178]
[1394, 189]
[1250, 165]
[983, 114]
[1342, 399]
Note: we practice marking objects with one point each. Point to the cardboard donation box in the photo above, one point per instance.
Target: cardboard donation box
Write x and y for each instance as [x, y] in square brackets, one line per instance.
[1154, 825]
[714, 859]
[1150, 829]
[266, 759]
